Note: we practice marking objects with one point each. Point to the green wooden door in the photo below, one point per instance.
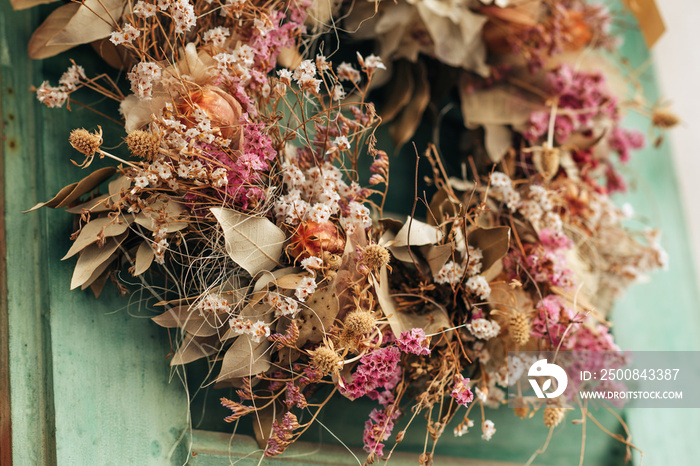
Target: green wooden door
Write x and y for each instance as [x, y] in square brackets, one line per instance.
[89, 380]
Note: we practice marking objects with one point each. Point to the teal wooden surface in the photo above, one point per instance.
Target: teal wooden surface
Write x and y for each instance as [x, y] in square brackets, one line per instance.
[90, 382]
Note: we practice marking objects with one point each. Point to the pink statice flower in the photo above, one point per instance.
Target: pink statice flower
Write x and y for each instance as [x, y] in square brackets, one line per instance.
[552, 319]
[378, 429]
[378, 369]
[461, 392]
[623, 140]
[414, 341]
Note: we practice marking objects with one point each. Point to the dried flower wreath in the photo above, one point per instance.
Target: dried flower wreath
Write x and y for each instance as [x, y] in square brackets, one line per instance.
[243, 203]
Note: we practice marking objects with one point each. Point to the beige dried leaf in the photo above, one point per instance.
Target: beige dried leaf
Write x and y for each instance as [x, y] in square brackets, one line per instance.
[24, 4]
[193, 348]
[404, 126]
[501, 105]
[143, 258]
[174, 211]
[416, 233]
[399, 91]
[73, 191]
[498, 141]
[268, 278]
[493, 242]
[95, 205]
[92, 257]
[74, 24]
[245, 358]
[92, 231]
[432, 321]
[99, 273]
[254, 243]
[436, 256]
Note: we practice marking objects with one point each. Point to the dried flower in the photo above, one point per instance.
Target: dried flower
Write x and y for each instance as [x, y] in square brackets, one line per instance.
[326, 360]
[85, 142]
[143, 144]
[358, 323]
[461, 392]
[519, 327]
[414, 341]
[553, 415]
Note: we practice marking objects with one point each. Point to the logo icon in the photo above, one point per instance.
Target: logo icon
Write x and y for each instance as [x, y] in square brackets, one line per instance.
[542, 369]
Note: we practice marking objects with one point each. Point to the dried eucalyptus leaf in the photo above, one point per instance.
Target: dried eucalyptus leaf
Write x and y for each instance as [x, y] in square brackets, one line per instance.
[143, 259]
[290, 281]
[94, 230]
[92, 257]
[493, 242]
[149, 217]
[24, 4]
[73, 191]
[117, 186]
[271, 277]
[74, 24]
[95, 206]
[399, 91]
[98, 284]
[436, 256]
[404, 126]
[193, 348]
[254, 243]
[501, 105]
[440, 205]
[432, 321]
[262, 424]
[498, 140]
[99, 272]
[175, 317]
[416, 233]
[245, 358]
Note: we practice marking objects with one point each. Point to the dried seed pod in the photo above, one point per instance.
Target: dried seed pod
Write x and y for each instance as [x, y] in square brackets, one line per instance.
[85, 142]
[376, 256]
[519, 327]
[359, 322]
[325, 360]
[664, 119]
[143, 144]
[521, 408]
[553, 415]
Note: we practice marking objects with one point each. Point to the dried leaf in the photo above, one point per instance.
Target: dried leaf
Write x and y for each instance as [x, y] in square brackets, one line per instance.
[151, 217]
[271, 277]
[402, 129]
[193, 348]
[502, 105]
[99, 272]
[525, 14]
[417, 233]
[436, 256]
[493, 242]
[649, 18]
[432, 321]
[115, 56]
[399, 91]
[92, 257]
[498, 140]
[95, 206]
[440, 205]
[254, 243]
[245, 358]
[73, 191]
[24, 4]
[116, 187]
[262, 424]
[144, 258]
[74, 24]
[98, 284]
[95, 229]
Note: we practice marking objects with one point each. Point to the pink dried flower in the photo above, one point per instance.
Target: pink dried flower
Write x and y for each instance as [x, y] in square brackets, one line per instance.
[461, 392]
[378, 369]
[414, 341]
[378, 428]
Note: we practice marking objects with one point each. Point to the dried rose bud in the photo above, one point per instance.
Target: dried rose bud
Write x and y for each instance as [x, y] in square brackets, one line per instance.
[223, 110]
[315, 239]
